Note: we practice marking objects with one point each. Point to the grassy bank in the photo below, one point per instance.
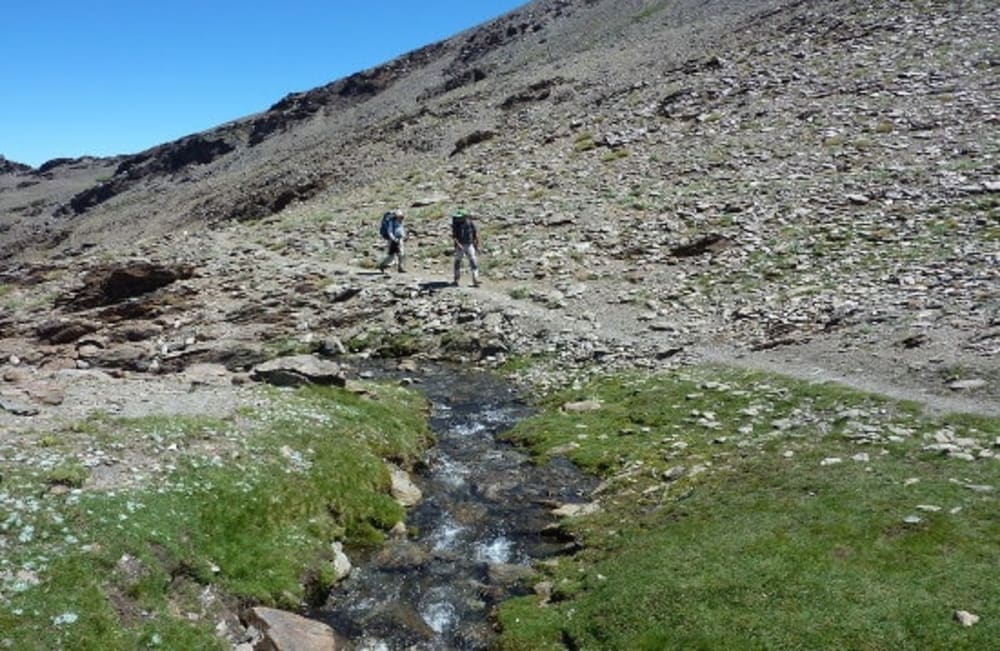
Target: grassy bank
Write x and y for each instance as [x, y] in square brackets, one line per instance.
[742, 511]
[159, 564]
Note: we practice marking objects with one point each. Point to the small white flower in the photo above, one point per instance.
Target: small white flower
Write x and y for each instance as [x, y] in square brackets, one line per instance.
[27, 534]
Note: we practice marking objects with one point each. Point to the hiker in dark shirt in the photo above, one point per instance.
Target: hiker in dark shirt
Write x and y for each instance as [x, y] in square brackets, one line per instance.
[394, 233]
[466, 240]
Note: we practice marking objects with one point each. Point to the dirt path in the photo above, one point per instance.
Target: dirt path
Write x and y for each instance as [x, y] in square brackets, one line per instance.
[878, 367]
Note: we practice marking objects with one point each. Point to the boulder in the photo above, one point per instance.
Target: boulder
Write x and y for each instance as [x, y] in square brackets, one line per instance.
[297, 370]
[507, 574]
[341, 563]
[401, 556]
[112, 284]
[62, 331]
[132, 357]
[711, 243]
[284, 631]
[404, 618]
[404, 491]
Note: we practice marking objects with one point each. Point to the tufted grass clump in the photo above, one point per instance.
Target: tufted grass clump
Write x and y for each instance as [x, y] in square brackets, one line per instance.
[157, 566]
[747, 511]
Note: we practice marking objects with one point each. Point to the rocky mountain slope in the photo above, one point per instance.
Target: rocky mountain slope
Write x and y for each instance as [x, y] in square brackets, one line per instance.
[807, 187]
[804, 186]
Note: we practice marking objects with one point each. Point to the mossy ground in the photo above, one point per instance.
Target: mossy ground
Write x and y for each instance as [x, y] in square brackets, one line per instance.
[157, 565]
[743, 511]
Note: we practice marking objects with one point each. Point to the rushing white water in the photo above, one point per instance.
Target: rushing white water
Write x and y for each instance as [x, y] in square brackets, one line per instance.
[497, 550]
[446, 536]
[440, 615]
[451, 471]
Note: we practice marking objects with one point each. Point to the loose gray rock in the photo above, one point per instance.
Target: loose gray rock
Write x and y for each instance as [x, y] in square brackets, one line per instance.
[17, 408]
[967, 385]
[297, 370]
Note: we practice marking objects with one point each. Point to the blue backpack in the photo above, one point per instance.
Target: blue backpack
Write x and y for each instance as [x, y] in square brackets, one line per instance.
[386, 227]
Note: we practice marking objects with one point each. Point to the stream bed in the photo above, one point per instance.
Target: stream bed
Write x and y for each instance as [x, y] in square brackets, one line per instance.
[484, 519]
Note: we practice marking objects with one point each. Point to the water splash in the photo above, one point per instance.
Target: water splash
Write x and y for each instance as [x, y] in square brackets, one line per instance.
[496, 551]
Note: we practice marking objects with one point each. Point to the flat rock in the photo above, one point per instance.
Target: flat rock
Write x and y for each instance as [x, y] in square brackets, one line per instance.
[284, 631]
[297, 370]
[967, 385]
[207, 374]
[582, 406]
[45, 393]
[576, 510]
[17, 408]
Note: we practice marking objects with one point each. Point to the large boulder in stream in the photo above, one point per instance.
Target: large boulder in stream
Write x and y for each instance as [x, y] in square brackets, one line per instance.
[284, 631]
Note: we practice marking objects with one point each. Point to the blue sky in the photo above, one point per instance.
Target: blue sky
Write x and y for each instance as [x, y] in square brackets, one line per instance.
[109, 77]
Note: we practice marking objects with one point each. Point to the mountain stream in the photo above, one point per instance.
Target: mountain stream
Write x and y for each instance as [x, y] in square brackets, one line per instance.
[484, 519]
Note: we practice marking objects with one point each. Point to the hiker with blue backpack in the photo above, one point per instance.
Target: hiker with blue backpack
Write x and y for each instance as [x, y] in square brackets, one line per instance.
[392, 230]
[466, 240]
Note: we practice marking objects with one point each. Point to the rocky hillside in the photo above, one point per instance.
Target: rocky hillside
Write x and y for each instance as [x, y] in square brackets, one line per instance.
[810, 181]
[808, 187]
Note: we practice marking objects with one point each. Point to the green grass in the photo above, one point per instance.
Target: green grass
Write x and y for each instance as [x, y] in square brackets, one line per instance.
[72, 475]
[128, 569]
[584, 141]
[757, 543]
[616, 154]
